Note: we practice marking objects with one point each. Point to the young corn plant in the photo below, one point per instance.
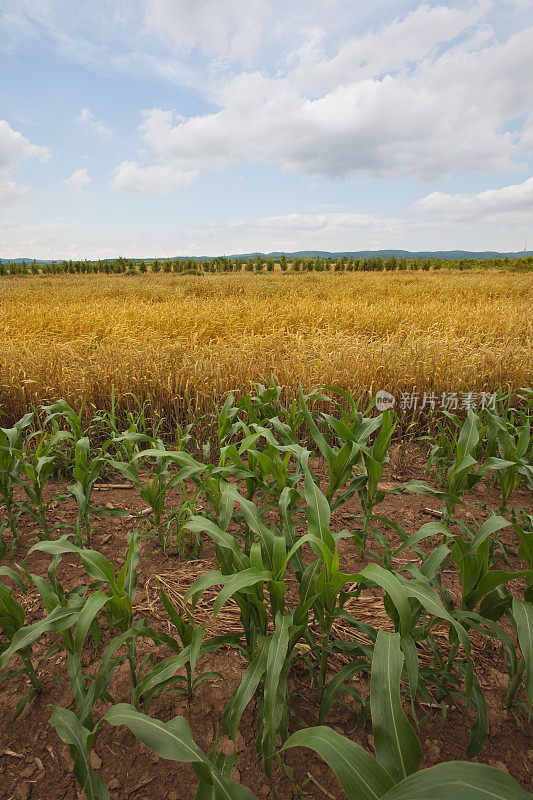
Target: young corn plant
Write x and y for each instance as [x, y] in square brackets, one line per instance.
[154, 489]
[461, 476]
[191, 638]
[11, 442]
[171, 740]
[394, 774]
[116, 602]
[270, 654]
[513, 464]
[369, 492]
[21, 637]
[12, 619]
[353, 434]
[35, 470]
[86, 472]
[522, 618]
[485, 599]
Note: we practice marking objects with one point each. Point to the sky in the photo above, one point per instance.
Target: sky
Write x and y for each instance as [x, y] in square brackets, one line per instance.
[209, 127]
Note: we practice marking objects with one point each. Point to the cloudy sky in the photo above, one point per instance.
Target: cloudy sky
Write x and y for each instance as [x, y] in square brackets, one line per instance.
[165, 127]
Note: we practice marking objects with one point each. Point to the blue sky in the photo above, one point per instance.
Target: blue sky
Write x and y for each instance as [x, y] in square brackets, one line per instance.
[191, 127]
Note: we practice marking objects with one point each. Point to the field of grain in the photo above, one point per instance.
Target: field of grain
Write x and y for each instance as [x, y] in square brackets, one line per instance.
[185, 341]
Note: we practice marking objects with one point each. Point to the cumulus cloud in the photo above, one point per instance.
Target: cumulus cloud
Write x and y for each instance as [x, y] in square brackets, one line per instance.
[131, 178]
[14, 147]
[312, 229]
[87, 121]
[11, 193]
[402, 42]
[231, 29]
[492, 204]
[77, 182]
[380, 114]
[526, 138]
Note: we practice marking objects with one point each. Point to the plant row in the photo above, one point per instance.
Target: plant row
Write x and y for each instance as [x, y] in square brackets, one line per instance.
[269, 515]
[259, 263]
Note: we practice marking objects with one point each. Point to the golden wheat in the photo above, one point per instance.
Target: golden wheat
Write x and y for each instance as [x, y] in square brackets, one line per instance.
[184, 342]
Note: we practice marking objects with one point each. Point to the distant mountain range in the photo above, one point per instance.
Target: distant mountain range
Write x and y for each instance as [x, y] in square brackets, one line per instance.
[409, 254]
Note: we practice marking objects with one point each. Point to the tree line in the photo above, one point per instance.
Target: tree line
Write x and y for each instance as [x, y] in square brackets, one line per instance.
[259, 263]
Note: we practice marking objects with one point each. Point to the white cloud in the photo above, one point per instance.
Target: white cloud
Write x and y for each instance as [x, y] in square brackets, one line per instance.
[78, 181]
[231, 29]
[10, 193]
[492, 204]
[87, 121]
[402, 42]
[130, 178]
[526, 138]
[314, 229]
[380, 113]
[14, 147]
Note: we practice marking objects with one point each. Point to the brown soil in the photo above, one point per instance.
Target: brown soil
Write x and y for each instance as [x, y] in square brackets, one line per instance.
[35, 763]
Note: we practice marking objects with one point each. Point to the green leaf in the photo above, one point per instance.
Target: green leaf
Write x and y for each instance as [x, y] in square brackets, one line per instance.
[389, 581]
[490, 526]
[163, 671]
[458, 780]
[426, 531]
[172, 740]
[397, 747]
[318, 511]
[244, 691]
[319, 440]
[95, 564]
[468, 437]
[198, 524]
[360, 775]
[70, 729]
[58, 620]
[277, 654]
[523, 615]
[92, 606]
[336, 686]
[238, 582]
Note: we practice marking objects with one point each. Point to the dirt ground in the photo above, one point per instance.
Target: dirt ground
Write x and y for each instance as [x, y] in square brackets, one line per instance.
[36, 764]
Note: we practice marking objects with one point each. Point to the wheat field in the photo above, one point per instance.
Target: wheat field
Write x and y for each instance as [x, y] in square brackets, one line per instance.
[185, 342]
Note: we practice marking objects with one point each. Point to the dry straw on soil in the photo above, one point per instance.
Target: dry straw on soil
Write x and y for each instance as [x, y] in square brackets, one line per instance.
[185, 342]
[368, 608]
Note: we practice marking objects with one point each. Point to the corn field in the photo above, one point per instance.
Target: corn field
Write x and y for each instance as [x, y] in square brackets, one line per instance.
[185, 343]
[269, 494]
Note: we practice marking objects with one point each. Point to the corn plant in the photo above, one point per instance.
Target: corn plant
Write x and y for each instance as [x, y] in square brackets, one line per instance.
[116, 602]
[12, 618]
[11, 440]
[461, 475]
[394, 773]
[513, 463]
[20, 637]
[192, 641]
[353, 432]
[154, 489]
[522, 617]
[485, 599]
[36, 468]
[86, 471]
[523, 528]
[171, 740]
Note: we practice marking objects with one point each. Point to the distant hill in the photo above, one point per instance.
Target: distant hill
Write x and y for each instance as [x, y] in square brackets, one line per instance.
[409, 254]
[445, 255]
